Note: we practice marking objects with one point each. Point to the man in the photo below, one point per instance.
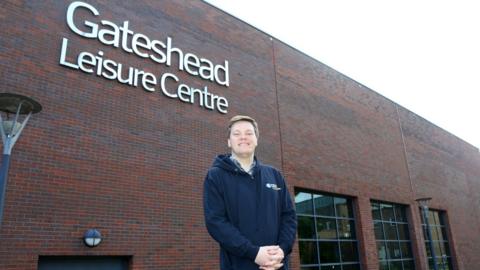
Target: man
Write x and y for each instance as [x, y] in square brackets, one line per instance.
[247, 207]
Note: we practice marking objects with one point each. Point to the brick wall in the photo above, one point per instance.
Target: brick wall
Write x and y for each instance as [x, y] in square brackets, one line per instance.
[131, 162]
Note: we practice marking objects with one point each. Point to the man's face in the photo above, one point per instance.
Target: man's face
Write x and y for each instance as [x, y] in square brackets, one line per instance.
[242, 140]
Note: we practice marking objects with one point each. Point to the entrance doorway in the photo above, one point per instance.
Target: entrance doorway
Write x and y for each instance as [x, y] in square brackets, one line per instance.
[83, 263]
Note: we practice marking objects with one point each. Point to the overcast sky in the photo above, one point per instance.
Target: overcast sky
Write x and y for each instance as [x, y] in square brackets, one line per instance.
[423, 55]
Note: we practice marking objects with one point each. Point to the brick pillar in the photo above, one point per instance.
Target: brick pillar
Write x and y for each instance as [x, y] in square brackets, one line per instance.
[416, 235]
[366, 234]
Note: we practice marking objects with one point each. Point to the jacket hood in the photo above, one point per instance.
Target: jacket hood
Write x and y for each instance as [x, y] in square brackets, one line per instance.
[224, 162]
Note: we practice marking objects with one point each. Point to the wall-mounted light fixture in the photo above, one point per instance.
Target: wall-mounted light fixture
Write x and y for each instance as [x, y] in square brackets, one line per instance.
[92, 238]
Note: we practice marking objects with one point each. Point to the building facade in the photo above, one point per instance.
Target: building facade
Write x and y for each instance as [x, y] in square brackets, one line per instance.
[136, 96]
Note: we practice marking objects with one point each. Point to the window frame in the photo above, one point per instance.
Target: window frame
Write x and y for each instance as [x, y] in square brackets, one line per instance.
[439, 223]
[338, 218]
[397, 220]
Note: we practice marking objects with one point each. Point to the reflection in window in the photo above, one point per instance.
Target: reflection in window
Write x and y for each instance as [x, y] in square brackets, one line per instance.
[306, 227]
[326, 232]
[308, 252]
[326, 228]
[303, 203]
[393, 240]
[323, 205]
[436, 220]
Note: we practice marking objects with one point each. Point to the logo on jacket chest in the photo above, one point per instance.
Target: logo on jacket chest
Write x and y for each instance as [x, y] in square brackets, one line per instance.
[273, 186]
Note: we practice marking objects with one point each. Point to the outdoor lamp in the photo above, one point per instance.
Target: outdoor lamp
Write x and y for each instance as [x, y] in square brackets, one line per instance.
[12, 106]
[92, 238]
[423, 202]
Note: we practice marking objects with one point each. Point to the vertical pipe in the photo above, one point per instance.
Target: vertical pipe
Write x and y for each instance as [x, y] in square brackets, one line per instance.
[429, 235]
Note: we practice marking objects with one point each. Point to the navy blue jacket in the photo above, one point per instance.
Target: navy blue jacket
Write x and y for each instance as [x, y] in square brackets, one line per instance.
[243, 212]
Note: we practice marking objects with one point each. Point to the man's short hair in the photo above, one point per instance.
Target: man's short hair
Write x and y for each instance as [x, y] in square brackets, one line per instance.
[238, 118]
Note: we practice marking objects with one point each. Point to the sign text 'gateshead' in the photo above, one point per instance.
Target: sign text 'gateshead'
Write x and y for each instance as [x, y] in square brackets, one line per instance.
[160, 52]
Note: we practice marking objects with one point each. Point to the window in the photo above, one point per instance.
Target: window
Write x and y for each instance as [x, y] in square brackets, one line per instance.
[326, 232]
[436, 220]
[393, 240]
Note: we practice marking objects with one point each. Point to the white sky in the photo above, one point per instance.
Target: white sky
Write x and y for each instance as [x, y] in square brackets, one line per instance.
[422, 54]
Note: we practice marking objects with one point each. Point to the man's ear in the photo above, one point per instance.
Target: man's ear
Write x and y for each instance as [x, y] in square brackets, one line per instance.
[229, 144]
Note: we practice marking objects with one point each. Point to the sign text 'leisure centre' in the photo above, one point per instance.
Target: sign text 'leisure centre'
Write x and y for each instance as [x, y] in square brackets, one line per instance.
[160, 52]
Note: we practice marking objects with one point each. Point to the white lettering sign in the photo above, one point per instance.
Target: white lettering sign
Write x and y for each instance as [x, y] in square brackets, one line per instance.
[160, 52]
